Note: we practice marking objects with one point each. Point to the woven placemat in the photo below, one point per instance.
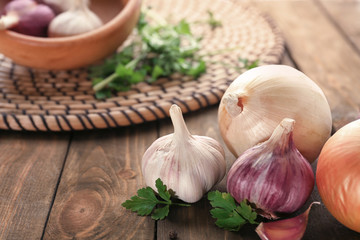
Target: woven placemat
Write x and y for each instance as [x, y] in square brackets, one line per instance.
[41, 100]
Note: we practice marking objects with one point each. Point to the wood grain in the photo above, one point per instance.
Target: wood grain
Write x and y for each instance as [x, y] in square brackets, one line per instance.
[322, 53]
[102, 171]
[30, 165]
[345, 15]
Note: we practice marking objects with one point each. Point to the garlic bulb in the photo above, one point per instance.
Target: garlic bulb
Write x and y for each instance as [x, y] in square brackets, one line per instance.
[272, 175]
[78, 19]
[291, 228]
[188, 164]
[256, 102]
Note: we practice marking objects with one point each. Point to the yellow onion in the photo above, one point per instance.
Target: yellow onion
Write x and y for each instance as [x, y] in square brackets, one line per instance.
[256, 102]
[338, 175]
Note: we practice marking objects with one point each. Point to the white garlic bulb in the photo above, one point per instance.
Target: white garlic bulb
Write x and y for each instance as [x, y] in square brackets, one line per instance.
[257, 101]
[188, 164]
[78, 19]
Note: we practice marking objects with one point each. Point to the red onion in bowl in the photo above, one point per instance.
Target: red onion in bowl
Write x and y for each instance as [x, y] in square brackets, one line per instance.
[27, 17]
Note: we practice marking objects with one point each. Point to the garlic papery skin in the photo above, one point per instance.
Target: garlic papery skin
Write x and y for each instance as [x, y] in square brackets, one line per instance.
[188, 164]
[273, 175]
[256, 102]
[286, 229]
[78, 19]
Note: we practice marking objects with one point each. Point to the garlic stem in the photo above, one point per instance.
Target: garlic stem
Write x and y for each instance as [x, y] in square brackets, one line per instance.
[282, 133]
[8, 21]
[180, 130]
[82, 4]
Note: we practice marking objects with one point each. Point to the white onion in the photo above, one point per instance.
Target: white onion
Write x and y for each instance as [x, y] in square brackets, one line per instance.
[256, 102]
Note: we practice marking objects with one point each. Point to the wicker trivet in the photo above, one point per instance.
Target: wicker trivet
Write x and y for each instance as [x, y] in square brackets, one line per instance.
[40, 100]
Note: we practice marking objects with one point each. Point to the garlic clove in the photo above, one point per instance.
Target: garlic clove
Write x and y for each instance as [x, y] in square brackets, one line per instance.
[256, 102]
[273, 176]
[188, 164]
[78, 19]
[286, 229]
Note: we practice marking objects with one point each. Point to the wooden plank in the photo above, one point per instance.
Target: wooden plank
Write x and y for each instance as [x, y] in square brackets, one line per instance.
[30, 166]
[346, 16]
[322, 53]
[101, 172]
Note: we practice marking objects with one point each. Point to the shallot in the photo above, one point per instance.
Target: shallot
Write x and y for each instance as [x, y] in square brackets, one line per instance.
[27, 17]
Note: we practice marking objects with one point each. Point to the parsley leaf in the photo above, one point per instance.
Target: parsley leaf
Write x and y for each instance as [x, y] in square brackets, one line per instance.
[160, 213]
[145, 201]
[163, 193]
[229, 215]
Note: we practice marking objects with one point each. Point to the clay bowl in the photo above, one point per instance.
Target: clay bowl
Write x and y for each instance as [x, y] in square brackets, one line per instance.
[119, 17]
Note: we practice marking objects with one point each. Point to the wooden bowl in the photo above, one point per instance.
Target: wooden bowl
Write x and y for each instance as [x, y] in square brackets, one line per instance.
[119, 17]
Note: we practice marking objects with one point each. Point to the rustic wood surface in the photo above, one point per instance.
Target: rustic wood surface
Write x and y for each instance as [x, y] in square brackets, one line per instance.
[71, 186]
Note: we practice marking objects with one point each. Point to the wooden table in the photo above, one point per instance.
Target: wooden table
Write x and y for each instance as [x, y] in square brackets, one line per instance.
[71, 185]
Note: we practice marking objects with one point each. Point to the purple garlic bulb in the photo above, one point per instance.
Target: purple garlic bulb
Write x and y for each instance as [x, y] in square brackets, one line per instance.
[273, 175]
[27, 17]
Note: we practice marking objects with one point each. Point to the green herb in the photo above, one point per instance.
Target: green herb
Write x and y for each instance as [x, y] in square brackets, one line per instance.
[214, 23]
[229, 215]
[158, 50]
[249, 65]
[145, 201]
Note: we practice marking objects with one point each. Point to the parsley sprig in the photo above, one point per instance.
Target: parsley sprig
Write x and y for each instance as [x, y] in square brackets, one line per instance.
[158, 49]
[229, 215]
[145, 201]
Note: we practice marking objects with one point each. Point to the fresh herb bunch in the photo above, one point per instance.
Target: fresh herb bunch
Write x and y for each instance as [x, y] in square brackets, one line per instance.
[229, 215]
[145, 201]
[159, 49]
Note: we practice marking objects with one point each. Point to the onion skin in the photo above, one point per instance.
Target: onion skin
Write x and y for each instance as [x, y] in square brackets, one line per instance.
[28, 17]
[338, 175]
[257, 101]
